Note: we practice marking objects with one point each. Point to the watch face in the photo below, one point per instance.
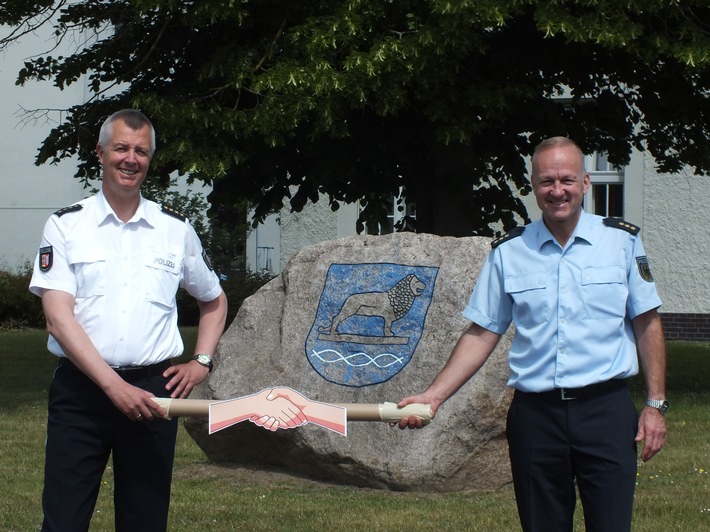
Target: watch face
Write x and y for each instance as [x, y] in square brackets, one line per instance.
[204, 359]
[664, 407]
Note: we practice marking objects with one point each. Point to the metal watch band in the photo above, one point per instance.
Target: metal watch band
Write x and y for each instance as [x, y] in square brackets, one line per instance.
[659, 404]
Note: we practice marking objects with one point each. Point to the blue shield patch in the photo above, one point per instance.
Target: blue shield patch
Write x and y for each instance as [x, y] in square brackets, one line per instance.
[369, 321]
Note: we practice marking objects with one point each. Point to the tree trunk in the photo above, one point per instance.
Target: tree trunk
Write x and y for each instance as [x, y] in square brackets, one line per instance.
[443, 195]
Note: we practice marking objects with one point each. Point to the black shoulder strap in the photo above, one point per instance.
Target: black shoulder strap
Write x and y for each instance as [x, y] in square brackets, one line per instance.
[618, 223]
[509, 236]
[72, 208]
[171, 212]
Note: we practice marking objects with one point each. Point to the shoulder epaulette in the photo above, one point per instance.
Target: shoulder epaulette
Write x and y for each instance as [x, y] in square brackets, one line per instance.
[508, 236]
[72, 208]
[618, 223]
[172, 212]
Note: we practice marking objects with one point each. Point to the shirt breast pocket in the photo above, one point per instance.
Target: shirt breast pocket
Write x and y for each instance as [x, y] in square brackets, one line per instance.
[530, 295]
[604, 292]
[162, 275]
[89, 266]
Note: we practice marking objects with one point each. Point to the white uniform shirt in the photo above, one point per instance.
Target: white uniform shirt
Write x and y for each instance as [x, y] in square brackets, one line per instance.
[124, 277]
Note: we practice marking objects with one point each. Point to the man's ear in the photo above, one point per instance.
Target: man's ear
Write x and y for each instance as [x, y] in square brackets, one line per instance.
[587, 182]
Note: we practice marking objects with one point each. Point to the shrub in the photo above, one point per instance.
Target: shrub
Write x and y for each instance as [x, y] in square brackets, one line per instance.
[18, 307]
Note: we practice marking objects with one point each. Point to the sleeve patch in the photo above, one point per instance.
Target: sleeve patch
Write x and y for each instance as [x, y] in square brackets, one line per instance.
[618, 223]
[207, 260]
[46, 258]
[72, 208]
[509, 236]
[644, 269]
[172, 212]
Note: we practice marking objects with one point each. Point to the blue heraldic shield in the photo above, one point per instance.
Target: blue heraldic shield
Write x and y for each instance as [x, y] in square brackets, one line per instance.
[369, 321]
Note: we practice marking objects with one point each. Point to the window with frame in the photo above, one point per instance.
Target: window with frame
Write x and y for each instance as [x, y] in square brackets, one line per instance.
[606, 194]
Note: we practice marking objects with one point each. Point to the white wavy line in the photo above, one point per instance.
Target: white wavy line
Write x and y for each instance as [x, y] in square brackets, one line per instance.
[371, 360]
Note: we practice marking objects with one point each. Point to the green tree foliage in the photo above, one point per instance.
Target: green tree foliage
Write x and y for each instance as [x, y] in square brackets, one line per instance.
[274, 100]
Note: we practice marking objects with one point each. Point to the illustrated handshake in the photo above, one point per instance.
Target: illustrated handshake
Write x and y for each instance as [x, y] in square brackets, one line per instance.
[276, 408]
[285, 408]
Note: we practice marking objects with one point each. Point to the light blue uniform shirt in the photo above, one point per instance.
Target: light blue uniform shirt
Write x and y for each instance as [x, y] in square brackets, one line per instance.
[572, 308]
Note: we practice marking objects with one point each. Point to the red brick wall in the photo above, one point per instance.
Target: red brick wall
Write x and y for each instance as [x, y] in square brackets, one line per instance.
[680, 326]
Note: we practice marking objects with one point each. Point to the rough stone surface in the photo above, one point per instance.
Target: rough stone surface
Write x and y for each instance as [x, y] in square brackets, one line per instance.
[463, 448]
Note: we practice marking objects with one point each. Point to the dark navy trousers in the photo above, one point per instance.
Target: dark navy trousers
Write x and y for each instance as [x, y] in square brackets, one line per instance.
[83, 429]
[555, 444]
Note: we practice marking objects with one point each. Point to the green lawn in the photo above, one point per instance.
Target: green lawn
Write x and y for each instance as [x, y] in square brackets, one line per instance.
[673, 489]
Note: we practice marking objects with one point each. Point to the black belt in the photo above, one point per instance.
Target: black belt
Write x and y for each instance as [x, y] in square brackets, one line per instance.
[128, 373]
[569, 394]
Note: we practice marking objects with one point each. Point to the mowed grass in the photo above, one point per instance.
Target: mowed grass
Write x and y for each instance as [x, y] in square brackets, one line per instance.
[672, 492]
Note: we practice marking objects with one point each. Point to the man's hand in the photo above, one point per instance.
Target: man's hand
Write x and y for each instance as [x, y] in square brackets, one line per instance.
[652, 431]
[415, 422]
[184, 377]
[135, 403]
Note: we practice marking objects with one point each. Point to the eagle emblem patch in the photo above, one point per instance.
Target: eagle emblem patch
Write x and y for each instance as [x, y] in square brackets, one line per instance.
[644, 269]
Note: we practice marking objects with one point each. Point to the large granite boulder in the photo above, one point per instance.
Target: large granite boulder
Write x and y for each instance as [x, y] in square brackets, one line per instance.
[366, 320]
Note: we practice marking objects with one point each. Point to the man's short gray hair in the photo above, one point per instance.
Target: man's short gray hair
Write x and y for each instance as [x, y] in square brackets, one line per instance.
[133, 119]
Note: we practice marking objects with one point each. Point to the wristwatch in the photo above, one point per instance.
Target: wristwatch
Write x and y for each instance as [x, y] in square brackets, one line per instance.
[659, 404]
[204, 359]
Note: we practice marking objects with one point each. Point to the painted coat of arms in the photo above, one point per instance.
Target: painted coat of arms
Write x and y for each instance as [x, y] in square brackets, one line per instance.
[369, 321]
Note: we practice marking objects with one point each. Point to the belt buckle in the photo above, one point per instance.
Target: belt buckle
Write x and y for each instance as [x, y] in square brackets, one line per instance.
[563, 395]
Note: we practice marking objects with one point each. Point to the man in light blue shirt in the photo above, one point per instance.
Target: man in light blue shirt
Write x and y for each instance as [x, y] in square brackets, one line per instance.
[581, 295]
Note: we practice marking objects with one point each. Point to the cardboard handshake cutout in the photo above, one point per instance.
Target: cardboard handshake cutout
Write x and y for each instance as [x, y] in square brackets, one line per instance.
[285, 408]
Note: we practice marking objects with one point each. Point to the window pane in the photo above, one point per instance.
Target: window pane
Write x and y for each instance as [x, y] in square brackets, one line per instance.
[600, 162]
[616, 200]
[599, 197]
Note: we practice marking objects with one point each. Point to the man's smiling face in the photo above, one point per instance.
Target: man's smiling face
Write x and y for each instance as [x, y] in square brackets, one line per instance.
[559, 183]
[125, 159]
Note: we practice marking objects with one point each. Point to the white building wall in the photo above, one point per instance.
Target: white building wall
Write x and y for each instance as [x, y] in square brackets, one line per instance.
[29, 194]
[677, 238]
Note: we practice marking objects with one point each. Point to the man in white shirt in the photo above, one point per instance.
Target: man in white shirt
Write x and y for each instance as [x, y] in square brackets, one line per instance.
[107, 271]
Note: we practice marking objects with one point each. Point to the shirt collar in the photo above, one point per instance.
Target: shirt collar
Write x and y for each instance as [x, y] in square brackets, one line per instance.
[104, 212]
[583, 230]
